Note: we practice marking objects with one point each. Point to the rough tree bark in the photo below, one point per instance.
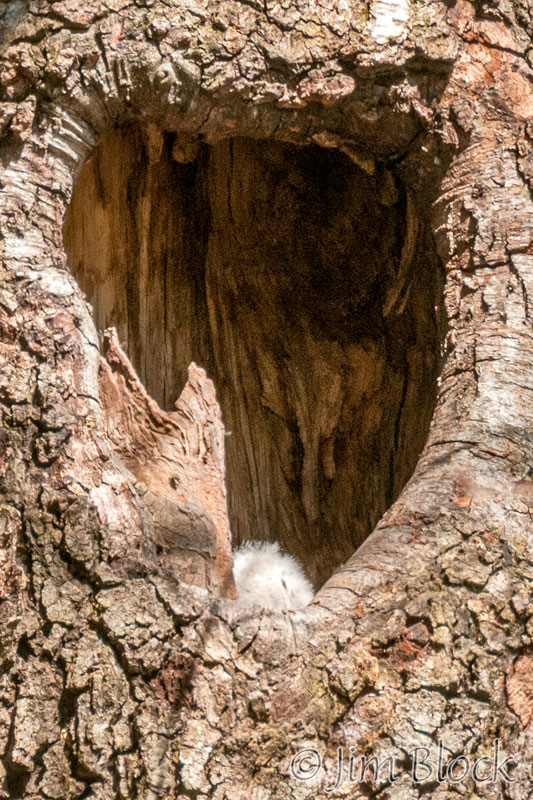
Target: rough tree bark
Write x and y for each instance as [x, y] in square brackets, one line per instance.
[328, 209]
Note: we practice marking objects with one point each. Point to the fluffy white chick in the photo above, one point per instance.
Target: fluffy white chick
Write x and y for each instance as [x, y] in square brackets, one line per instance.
[265, 577]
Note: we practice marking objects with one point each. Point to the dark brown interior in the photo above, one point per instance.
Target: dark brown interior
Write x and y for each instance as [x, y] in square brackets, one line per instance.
[273, 266]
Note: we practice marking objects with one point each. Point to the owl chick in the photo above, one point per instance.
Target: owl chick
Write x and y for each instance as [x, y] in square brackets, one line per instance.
[265, 577]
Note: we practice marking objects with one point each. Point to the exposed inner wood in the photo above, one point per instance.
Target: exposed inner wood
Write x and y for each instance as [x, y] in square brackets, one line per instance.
[309, 291]
[177, 459]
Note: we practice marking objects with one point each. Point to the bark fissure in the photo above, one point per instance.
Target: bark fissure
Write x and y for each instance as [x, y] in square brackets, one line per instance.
[425, 634]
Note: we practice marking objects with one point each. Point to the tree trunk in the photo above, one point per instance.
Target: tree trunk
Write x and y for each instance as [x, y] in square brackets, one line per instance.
[323, 218]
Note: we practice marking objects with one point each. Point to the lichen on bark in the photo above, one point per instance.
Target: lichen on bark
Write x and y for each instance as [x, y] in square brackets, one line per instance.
[121, 679]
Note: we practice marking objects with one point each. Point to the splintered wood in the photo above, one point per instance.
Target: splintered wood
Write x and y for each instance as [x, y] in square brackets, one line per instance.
[177, 461]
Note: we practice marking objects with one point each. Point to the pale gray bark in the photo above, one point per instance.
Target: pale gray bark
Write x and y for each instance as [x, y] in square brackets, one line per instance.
[122, 679]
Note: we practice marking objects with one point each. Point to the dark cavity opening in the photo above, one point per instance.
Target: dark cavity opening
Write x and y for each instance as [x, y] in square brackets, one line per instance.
[310, 292]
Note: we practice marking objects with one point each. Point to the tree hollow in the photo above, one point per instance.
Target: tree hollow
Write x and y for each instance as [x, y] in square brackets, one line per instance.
[308, 289]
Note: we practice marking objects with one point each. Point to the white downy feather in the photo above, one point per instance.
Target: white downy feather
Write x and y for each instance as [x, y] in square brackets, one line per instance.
[265, 577]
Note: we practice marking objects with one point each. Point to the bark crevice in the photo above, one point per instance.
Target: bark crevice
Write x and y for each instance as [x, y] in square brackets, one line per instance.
[431, 103]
